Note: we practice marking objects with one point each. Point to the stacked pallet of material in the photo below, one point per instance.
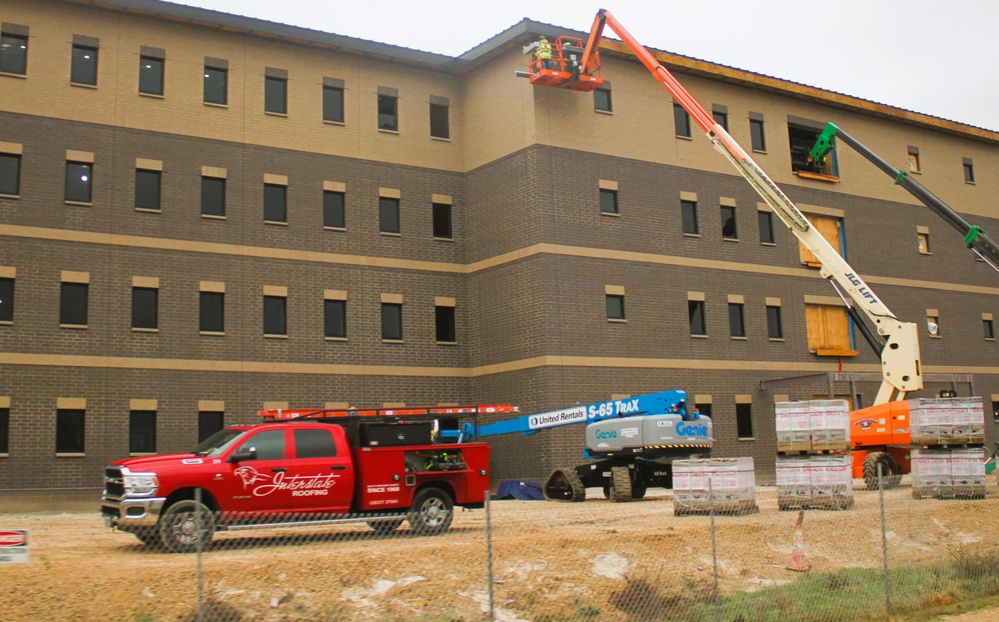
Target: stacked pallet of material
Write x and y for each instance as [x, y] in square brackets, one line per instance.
[949, 473]
[719, 485]
[813, 455]
[947, 421]
[814, 482]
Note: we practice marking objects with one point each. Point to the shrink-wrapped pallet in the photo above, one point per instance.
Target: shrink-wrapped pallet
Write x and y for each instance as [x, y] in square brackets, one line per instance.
[820, 482]
[792, 421]
[722, 485]
[947, 421]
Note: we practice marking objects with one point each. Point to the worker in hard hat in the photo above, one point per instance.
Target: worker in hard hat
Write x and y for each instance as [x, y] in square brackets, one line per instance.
[544, 54]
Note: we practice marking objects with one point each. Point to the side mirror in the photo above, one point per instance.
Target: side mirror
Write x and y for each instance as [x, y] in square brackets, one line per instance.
[243, 454]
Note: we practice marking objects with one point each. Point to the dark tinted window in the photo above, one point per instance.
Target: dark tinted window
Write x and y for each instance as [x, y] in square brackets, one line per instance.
[150, 75]
[145, 307]
[442, 220]
[388, 215]
[275, 95]
[6, 300]
[334, 210]
[439, 125]
[615, 307]
[4, 430]
[757, 136]
[314, 443]
[391, 321]
[69, 431]
[275, 315]
[766, 227]
[444, 321]
[744, 420]
[216, 85]
[774, 329]
[695, 312]
[73, 304]
[269, 445]
[83, 69]
[212, 312]
[736, 320]
[142, 431]
[608, 201]
[13, 54]
[602, 100]
[212, 196]
[209, 422]
[335, 318]
[969, 173]
[333, 104]
[721, 118]
[388, 112]
[688, 214]
[682, 121]
[275, 203]
[10, 174]
[729, 229]
[147, 189]
[79, 181]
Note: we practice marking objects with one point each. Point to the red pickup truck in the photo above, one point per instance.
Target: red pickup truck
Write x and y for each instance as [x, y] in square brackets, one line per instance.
[377, 470]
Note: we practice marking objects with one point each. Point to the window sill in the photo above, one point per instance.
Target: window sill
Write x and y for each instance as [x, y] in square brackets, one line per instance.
[216, 105]
[747, 438]
[817, 176]
[74, 326]
[776, 339]
[212, 217]
[149, 210]
[763, 151]
[340, 123]
[6, 322]
[83, 85]
[437, 239]
[211, 333]
[599, 111]
[730, 239]
[390, 234]
[79, 203]
[10, 196]
[343, 339]
[266, 336]
[279, 223]
[692, 235]
[393, 341]
[440, 139]
[924, 253]
[911, 172]
[734, 338]
[772, 244]
[274, 113]
[335, 228]
[986, 339]
[698, 336]
[145, 330]
[23, 76]
[682, 137]
[153, 95]
[71, 455]
[4, 455]
[933, 336]
[388, 131]
[617, 320]
[447, 343]
[137, 454]
[612, 214]
[970, 183]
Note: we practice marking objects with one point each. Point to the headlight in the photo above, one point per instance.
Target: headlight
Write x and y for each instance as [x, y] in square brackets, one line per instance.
[141, 483]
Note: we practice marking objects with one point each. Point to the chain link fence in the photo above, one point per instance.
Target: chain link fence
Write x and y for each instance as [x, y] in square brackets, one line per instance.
[886, 556]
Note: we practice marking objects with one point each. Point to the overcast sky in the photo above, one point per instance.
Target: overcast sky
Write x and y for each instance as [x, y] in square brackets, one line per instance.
[937, 57]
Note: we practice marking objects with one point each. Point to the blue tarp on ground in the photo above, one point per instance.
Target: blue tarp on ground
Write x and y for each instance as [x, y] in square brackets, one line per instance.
[528, 491]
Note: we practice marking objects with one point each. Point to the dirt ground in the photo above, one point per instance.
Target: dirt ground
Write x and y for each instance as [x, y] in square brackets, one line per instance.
[551, 561]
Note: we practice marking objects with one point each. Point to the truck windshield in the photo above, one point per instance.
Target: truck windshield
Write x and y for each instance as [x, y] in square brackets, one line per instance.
[218, 442]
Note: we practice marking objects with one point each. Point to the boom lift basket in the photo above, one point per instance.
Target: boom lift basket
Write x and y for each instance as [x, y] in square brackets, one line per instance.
[563, 69]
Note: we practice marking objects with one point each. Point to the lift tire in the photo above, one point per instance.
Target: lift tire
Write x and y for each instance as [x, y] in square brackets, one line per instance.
[620, 484]
[565, 485]
[186, 526]
[432, 512]
[891, 474]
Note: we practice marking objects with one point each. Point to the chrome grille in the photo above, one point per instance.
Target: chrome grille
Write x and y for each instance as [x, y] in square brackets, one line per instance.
[114, 484]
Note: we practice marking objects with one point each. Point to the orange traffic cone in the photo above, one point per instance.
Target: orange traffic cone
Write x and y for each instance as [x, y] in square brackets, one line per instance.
[798, 561]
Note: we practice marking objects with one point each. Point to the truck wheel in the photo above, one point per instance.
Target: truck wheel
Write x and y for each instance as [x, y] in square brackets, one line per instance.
[620, 484]
[890, 472]
[385, 526]
[565, 485]
[186, 526]
[431, 513]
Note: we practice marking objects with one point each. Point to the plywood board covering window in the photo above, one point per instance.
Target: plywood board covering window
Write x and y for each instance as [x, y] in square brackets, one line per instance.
[828, 331]
[829, 228]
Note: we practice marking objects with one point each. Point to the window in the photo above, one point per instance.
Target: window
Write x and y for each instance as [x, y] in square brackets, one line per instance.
[988, 327]
[829, 331]
[275, 94]
[695, 312]
[391, 321]
[439, 122]
[151, 75]
[333, 100]
[933, 323]
[681, 120]
[83, 66]
[147, 189]
[79, 181]
[216, 87]
[10, 174]
[774, 328]
[729, 229]
[70, 430]
[388, 215]
[4, 430]
[314, 444]
[275, 203]
[969, 171]
[142, 432]
[830, 228]
[275, 316]
[744, 420]
[688, 215]
[14, 51]
[442, 221]
[602, 98]
[720, 115]
[736, 319]
[73, 304]
[388, 109]
[766, 222]
[923, 240]
[913, 152]
[6, 300]
[145, 307]
[608, 201]
[615, 306]
[756, 133]
[212, 196]
[444, 323]
[211, 312]
[995, 410]
[704, 409]
[334, 213]
[269, 445]
[802, 137]
[209, 422]
[335, 319]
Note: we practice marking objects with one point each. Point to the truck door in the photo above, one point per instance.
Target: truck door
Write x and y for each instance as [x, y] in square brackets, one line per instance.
[253, 486]
[321, 474]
